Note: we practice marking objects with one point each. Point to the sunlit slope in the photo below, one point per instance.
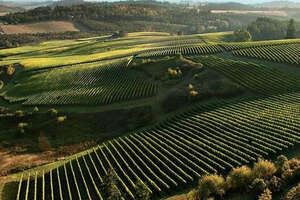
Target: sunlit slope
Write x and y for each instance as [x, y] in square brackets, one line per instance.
[205, 139]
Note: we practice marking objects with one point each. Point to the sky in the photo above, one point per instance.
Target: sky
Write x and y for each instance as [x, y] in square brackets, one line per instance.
[239, 1]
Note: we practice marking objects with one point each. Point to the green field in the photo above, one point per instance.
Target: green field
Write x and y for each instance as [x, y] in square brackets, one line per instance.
[194, 105]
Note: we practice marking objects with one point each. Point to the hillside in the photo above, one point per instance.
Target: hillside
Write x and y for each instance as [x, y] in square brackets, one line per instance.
[149, 108]
[42, 27]
[106, 18]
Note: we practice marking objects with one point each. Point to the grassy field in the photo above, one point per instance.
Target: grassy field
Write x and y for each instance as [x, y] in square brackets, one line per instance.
[188, 105]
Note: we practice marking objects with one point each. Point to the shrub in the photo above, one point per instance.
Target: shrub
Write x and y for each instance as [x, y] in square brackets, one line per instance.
[275, 184]
[242, 36]
[142, 193]
[263, 169]
[52, 112]
[209, 185]
[111, 191]
[239, 178]
[191, 86]
[266, 195]
[35, 109]
[258, 185]
[174, 73]
[293, 173]
[19, 113]
[61, 119]
[282, 164]
[10, 69]
[293, 194]
[193, 93]
[1, 84]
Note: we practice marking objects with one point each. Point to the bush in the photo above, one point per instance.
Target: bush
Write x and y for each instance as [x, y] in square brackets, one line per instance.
[1, 84]
[61, 119]
[142, 193]
[242, 36]
[209, 185]
[293, 194]
[275, 184]
[266, 195]
[19, 113]
[10, 69]
[293, 173]
[35, 109]
[282, 164]
[52, 112]
[258, 185]
[239, 178]
[174, 73]
[263, 169]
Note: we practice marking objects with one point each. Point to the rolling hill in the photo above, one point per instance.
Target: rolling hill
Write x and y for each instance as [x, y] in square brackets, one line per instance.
[193, 105]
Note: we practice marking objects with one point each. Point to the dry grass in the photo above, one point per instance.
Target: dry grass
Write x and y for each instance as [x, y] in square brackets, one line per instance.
[42, 27]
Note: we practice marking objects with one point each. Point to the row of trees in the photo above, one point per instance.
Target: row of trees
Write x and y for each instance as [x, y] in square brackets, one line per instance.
[263, 180]
[269, 29]
[15, 40]
[194, 19]
[266, 29]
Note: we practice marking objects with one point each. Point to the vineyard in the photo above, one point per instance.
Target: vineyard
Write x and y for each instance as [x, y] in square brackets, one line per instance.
[182, 49]
[205, 139]
[281, 54]
[252, 75]
[95, 83]
[191, 105]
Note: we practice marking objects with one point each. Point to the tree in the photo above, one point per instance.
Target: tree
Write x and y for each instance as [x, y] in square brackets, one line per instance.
[282, 164]
[209, 185]
[242, 36]
[291, 30]
[266, 195]
[142, 193]
[1, 84]
[111, 191]
[263, 169]
[239, 178]
[293, 194]
[10, 69]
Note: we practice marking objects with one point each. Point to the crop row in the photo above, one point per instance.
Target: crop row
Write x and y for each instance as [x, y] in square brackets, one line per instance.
[182, 49]
[208, 138]
[281, 54]
[83, 84]
[259, 78]
[243, 45]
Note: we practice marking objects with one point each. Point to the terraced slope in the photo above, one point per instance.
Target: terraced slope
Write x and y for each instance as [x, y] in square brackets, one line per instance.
[207, 139]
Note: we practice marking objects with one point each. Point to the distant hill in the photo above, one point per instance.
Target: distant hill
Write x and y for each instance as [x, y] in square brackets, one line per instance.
[279, 4]
[228, 6]
[42, 27]
[9, 9]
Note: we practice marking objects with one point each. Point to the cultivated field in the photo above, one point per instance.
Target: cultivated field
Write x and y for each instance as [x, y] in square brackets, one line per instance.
[42, 27]
[213, 105]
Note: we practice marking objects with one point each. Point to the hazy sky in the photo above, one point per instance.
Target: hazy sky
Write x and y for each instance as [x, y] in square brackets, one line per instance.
[240, 1]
